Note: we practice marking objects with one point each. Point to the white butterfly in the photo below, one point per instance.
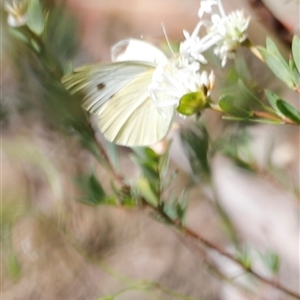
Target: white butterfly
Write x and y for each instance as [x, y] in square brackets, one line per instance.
[118, 94]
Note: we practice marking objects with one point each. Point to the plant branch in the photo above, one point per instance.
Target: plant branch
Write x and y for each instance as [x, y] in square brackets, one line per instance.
[199, 238]
[259, 114]
[271, 117]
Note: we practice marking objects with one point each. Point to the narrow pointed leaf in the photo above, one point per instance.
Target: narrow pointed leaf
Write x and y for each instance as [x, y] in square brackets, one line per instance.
[196, 143]
[146, 154]
[35, 17]
[295, 72]
[234, 107]
[146, 191]
[91, 188]
[272, 98]
[276, 63]
[252, 100]
[296, 51]
[288, 110]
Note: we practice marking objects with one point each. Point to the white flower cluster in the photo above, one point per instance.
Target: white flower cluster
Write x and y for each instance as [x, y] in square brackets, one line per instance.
[182, 74]
[223, 32]
[175, 78]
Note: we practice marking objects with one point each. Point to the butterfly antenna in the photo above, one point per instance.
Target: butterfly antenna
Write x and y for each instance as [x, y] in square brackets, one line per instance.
[165, 34]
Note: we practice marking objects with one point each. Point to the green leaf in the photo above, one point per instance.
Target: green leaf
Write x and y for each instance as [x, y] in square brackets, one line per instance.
[236, 107]
[13, 267]
[196, 143]
[244, 257]
[192, 103]
[35, 17]
[61, 33]
[271, 260]
[288, 110]
[295, 72]
[164, 162]
[175, 208]
[296, 51]
[182, 206]
[149, 170]
[170, 210]
[251, 99]
[277, 63]
[21, 36]
[144, 187]
[272, 98]
[35, 46]
[237, 146]
[272, 49]
[148, 161]
[147, 154]
[93, 193]
[242, 70]
[129, 202]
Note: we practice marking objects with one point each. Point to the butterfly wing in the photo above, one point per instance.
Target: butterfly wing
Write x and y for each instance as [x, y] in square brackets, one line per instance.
[118, 94]
[137, 50]
[130, 117]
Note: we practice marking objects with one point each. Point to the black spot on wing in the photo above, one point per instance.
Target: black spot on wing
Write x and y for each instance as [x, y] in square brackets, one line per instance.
[100, 86]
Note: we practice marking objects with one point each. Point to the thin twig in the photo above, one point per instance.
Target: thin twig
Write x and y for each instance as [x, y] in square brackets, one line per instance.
[197, 237]
[213, 268]
[268, 116]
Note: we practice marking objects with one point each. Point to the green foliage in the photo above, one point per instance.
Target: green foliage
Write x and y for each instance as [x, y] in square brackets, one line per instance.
[61, 35]
[235, 106]
[92, 191]
[245, 258]
[236, 146]
[242, 104]
[288, 110]
[13, 267]
[239, 101]
[278, 64]
[196, 145]
[146, 190]
[296, 51]
[154, 180]
[271, 260]
[36, 21]
[283, 108]
[272, 98]
[175, 209]
[148, 162]
[41, 67]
